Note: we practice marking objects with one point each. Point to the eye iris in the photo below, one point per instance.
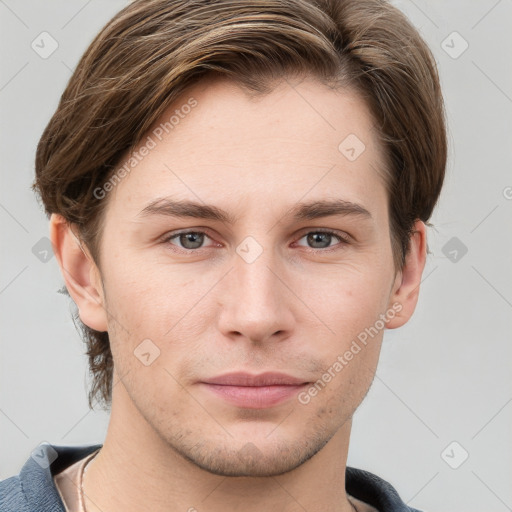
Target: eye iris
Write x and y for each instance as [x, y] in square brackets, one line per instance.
[313, 238]
[195, 238]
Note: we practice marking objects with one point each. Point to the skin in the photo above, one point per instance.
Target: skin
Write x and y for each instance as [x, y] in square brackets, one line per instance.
[172, 444]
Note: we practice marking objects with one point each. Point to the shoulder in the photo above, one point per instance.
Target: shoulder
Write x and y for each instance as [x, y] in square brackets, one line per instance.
[33, 488]
[375, 491]
[11, 495]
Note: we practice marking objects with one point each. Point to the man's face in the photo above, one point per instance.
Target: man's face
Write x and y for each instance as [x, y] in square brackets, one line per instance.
[265, 291]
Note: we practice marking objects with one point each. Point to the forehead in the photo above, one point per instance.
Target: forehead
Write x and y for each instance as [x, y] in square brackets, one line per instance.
[218, 142]
[306, 110]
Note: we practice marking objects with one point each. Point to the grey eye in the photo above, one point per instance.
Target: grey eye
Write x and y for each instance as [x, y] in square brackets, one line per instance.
[321, 239]
[190, 240]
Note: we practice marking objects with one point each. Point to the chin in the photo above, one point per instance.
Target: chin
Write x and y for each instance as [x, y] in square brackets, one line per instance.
[250, 460]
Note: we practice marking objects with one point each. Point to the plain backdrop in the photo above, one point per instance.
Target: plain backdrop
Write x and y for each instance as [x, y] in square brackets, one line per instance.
[437, 420]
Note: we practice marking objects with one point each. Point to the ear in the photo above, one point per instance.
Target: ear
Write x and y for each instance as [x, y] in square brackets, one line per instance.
[406, 287]
[80, 273]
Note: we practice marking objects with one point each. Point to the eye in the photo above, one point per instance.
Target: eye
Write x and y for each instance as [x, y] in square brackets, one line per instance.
[321, 239]
[189, 240]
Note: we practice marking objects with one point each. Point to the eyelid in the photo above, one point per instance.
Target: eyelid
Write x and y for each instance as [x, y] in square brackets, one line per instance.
[173, 234]
[344, 238]
[341, 234]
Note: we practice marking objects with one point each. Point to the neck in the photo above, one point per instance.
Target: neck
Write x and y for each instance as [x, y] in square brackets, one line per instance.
[137, 470]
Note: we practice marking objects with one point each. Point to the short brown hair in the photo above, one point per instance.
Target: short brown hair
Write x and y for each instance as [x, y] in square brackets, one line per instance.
[153, 50]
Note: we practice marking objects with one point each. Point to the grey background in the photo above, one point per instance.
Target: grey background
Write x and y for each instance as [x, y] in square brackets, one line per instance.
[443, 377]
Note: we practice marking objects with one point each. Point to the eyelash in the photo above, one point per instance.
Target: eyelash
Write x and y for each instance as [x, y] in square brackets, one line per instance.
[343, 239]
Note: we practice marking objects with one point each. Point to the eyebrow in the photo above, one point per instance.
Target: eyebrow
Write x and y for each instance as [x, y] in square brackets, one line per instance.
[301, 211]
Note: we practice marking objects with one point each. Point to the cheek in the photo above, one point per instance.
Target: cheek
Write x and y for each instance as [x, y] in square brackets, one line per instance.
[141, 297]
[350, 307]
[149, 296]
[332, 399]
[154, 310]
[349, 300]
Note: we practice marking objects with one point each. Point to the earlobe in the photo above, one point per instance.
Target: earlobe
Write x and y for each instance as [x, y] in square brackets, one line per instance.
[406, 287]
[80, 273]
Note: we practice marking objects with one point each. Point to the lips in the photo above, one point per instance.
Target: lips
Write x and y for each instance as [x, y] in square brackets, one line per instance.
[254, 391]
[263, 379]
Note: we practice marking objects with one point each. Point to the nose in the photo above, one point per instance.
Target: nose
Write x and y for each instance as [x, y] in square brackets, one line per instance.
[256, 301]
